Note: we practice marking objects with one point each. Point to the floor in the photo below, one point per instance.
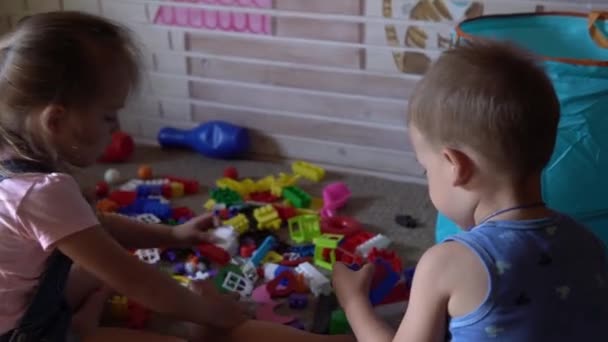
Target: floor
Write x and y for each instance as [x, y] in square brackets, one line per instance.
[375, 202]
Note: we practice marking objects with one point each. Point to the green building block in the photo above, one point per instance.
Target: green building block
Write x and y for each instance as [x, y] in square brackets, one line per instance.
[338, 325]
[323, 242]
[297, 197]
[226, 196]
[304, 228]
[218, 280]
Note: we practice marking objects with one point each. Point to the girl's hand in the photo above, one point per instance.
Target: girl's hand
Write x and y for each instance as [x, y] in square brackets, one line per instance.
[352, 286]
[194, 231]
[224, 311]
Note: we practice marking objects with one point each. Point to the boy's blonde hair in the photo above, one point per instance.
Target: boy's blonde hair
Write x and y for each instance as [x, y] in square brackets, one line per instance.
[56, 58]
[491, 97]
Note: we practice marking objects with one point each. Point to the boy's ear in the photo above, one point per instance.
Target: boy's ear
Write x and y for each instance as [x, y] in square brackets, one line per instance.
[462, 166]
[53, 118]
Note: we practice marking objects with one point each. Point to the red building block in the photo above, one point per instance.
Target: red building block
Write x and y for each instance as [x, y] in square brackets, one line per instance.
[182, 212]
[342, 225]
[214, 253]
[123, 198]
[102, 189]
[388, 256]
[138, 315]
[190, 186]
[247, 250]
[264, 196]
[119, 150]
[231, 172]
[285, 213]
[278, 291]
[350, 243]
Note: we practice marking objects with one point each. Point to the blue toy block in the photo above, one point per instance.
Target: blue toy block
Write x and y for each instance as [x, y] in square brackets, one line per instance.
[387, 279]
[304, 250]
[260, 253]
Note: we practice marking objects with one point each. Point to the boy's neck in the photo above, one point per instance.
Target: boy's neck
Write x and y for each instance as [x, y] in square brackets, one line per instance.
[509, 195]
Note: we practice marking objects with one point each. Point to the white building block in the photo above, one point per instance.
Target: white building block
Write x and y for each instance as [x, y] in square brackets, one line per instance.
[89, 6]
[149, 256]
[316, 281]
[148, 218]
[180, 110]
[43, 5]
[237, 283]
[227, 238]
[250, 271]
[379, 241]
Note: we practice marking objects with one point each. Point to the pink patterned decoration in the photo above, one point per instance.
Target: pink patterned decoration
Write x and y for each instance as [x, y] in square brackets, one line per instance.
[217, 20]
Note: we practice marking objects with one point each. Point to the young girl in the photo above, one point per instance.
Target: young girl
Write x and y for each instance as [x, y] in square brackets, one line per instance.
[63, 78]
[483, 124]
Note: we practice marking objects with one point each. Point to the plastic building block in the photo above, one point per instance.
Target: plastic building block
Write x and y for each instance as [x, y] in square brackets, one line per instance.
[316, 281]
[273, 257]
[240, 223]
[316, 203]
[335, 196]
[145, 190]
[338, 324]
[379, 241]
[304, 228]
[213, 139]
[322, 316]
[102, 189]
[340, 225]
[226, 196]
[112, 176]
[264, 184]
[248, 185]
[267, 218]
[298, 301]
[228, 239]
[326, 242]
[177, 189]
[148, 218]
[282, 285]
[389, 256]
[295, 262]
[285, 213]
[106, 206]
[118, 307]
[264, 197]
[231, 172]
[266, 246]
[229, 183]
[383, 282]
[246, 251]
[149, 256]
[304, 250]
[120, 149]
[276, 190]
[138, 316]
[123, 198]
[250, 271]
[190, 186]
[272, 270]
[297, 197]
[144, 172]
[221, 275]
[348, 257]
[131, 185]
[214, 253]
[237, 283]
[307, 170]
[180, 212]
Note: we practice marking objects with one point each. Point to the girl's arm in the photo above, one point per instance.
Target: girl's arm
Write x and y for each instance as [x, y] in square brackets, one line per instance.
[427, 313]
[133, 234]
[99, 254]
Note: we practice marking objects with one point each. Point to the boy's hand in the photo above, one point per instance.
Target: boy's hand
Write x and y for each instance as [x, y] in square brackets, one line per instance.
[194, 231]
[352, 286]
[224, 310]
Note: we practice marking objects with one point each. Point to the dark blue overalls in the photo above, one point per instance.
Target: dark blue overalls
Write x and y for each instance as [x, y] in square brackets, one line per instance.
[48, 317]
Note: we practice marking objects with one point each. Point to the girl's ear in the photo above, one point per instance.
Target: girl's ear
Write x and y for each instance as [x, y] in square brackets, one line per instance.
[462, 166]
[53, 118]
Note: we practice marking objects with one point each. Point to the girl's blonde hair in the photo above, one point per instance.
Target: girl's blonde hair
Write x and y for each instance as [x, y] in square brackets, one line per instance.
[54, 58]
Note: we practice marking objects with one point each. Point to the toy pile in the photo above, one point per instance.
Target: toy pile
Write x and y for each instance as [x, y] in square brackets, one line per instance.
[277, 244]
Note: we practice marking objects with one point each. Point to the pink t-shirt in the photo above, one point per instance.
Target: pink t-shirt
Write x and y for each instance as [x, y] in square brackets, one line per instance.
[36, 211]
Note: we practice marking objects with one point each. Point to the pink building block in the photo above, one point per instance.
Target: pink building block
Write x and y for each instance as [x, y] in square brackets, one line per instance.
[217, 20]
[335, 196]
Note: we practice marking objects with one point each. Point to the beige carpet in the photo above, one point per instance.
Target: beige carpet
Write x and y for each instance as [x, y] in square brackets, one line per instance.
[375, 201]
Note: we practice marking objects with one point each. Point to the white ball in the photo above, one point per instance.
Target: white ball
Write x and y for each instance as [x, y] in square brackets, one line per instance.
[112, 176]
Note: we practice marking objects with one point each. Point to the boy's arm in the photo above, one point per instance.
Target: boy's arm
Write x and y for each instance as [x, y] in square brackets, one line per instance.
[135, 234]
[426, 316]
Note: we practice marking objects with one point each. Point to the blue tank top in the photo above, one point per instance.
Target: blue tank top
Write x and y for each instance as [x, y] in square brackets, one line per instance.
[548, 281]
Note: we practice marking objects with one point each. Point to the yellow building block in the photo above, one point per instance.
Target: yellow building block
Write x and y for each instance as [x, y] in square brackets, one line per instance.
[264, 184]
[118, 307]
[240, 223]
[276, 190]
[272, 257]
[249, 185]
[267, 217]
[286, 179]
[209, 204]
[184, 281]
[308, 170]
[228, 183]
[177, 189]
